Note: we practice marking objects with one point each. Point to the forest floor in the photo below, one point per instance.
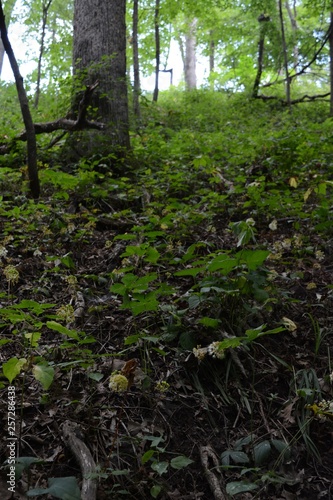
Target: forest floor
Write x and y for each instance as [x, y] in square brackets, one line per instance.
[145, 282]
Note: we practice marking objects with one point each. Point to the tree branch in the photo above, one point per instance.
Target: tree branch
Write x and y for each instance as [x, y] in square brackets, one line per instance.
[63, 123]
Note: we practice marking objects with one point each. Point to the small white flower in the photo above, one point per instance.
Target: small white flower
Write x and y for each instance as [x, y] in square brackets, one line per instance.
[273, 225]
[3, 251]
[215, 351]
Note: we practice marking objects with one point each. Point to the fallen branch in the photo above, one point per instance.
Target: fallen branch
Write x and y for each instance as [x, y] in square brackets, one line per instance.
[66, 124]
[207, 453]
[304, 98]
[84, 459]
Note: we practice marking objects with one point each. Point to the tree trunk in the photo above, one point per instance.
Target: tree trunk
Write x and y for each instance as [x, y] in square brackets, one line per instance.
[211, 52]
[285, 54]
[25, 110]
[99, 53]
[8, 8]
[157, 48]
[46, 6]
[190, 58]
[136, 67]
[292, 13]
[331, 60]
[263, 18]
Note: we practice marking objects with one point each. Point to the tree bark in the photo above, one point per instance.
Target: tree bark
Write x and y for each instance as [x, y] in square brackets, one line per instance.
[99, 53]
[285, 55]
[261, 46]
[45, 9]
[8, 8]
[292, 13]
[136, 67]
[157, 49]
[190, 58]
[25, 110]
[331, 60]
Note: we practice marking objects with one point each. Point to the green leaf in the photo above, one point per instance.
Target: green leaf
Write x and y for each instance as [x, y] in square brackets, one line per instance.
[190, 272]
[33, 338]
[155, 490]
[239, 487]
[44, 374]
[95, 376]
[147, 456]
[253, 258]
[180, 462]
[160, 467]
[261, 453]
[223, 263]
[54, 325]
[282, 448]
[23, 463]
[209, 322]
[238, 457]
[13, 368]
[152, 255]
[65, 488]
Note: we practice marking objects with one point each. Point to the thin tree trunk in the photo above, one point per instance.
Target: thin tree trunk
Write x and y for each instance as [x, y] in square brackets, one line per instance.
[136, 68]
[263, 18]
[285, 55]
[28, 123]
[8, 8]
[292, 13]
[190, 58]
[157, 48]
[331, 60]
[211, 52]
[46, 7]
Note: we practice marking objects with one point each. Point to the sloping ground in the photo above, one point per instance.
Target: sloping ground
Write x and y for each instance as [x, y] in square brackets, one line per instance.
[206, 293]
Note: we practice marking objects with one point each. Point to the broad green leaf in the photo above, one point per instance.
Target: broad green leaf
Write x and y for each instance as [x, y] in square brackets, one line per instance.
[33, 338]
[160, 467]
[147, 456]
[23, 463]
[209, 322]
[180, 462]
[54, 325]
[65, 488]
[252, 258]
[190, 272]
[223, 263]
[238, 457]
[13, 368]
[44, 374]
[155, 490]
[282, 447]
[239, 487]
[95, 376]
[261, 453]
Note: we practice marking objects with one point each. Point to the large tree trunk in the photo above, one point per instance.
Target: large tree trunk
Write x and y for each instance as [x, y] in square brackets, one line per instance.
[190, 58]
[99, 53]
